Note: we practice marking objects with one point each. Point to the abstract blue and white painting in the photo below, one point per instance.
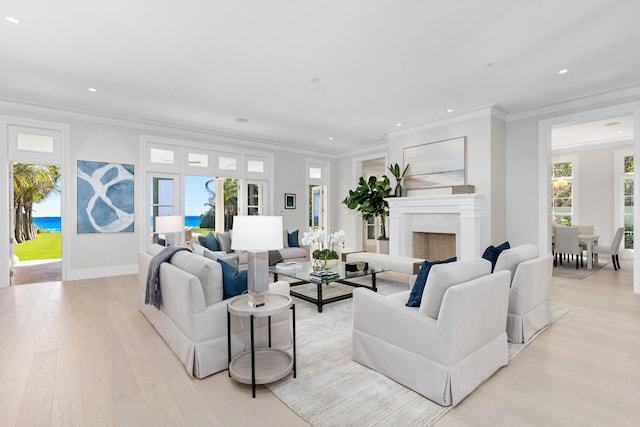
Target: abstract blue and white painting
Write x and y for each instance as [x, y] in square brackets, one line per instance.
[105, 197]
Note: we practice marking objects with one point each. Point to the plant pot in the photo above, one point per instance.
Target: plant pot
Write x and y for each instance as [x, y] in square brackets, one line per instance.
[382, 246]
[398, 191]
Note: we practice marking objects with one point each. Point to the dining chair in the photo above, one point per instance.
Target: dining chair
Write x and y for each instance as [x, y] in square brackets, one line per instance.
[567, 243]
[613, 249]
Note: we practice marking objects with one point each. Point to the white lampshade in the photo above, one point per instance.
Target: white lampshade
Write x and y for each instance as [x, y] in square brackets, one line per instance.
[257, 233]
[169, 224]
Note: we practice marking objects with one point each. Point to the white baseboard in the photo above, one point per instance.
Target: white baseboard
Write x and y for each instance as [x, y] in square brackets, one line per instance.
[92, 273]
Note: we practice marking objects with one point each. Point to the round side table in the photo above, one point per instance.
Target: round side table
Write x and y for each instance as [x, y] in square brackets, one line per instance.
[261, 365]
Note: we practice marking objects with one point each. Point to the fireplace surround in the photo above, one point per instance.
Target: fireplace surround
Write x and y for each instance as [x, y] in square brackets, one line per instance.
[457, 214]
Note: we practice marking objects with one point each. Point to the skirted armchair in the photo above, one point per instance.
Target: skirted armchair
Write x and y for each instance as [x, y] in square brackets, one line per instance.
[444, 356]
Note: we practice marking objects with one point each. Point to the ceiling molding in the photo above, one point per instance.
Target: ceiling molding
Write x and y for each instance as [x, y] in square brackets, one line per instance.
[483, 111]
[581, 101]
[149, 125]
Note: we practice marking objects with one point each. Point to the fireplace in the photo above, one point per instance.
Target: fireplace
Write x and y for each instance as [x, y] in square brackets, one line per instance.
[455, 215]
[433, 246]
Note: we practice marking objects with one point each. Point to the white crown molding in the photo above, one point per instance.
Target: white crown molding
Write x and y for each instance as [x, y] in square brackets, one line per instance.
[149, 125]
[483, 111]
[581, 101]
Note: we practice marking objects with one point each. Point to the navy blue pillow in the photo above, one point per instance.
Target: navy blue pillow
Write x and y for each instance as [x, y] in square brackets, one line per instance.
[209, 241]
[418, 287]
[234, 282]
[492, 253]
[292, 238]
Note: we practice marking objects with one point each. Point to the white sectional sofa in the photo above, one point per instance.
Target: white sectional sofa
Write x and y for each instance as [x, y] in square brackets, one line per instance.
[240, 259]
[446, 355]
[529, 296]
[193, 317]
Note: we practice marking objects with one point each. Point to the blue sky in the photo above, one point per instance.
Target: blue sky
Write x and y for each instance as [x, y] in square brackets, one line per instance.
[195, 192]
[48, 207]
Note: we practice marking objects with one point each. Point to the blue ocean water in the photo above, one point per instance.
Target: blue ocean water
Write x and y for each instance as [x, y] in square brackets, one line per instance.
[192, 221]
[49, 223]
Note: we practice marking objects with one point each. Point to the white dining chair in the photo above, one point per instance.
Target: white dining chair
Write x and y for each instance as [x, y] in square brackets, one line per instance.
[567, 243]
[585, 230]
[613, 249]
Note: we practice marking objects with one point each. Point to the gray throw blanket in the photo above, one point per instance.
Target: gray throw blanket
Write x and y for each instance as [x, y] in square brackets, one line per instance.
[153, 295]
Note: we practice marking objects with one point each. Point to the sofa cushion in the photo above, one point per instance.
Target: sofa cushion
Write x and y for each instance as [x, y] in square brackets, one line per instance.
[443, 276]
[291, 253]
[511, 258]
[292, 239]
[493, 252]
[209, 241]
[224, 241]
[207, 271]
[418, 287]
[234, 282]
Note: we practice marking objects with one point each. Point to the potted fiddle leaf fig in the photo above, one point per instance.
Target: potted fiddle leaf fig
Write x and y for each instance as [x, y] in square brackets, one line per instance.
[395, 170]
[368, 199]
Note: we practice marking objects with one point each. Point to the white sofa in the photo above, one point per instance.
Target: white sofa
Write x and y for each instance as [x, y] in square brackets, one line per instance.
[193, 316]
[446, 356]
[529, 296]
[240, 259]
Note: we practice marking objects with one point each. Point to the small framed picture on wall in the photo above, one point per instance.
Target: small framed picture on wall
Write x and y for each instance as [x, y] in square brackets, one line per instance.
[289, 201]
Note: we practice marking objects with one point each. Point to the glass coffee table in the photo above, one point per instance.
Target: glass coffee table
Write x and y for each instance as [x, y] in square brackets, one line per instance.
[327, 287]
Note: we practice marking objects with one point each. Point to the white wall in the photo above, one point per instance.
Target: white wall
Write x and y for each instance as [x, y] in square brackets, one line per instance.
[485, 163]
[98, 139]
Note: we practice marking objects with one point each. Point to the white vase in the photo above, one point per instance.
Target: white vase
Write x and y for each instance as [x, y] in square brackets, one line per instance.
[382, 246]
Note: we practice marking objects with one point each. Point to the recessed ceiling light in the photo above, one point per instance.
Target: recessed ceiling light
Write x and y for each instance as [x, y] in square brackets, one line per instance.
[92, 89]
[241, 120]
[169, 93]
[450, 110]
[314, 80]
[330, 138]
[563, 71]
[489, 64]
[398, 124]
[612, 124]
[13, 19]
[620, 132]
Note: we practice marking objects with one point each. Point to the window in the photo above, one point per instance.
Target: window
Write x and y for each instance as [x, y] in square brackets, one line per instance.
[254, 199]
[162, 199]
[562, 192]
[628, 191]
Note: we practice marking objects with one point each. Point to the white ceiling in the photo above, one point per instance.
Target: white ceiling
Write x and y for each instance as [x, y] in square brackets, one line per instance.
[302, 72]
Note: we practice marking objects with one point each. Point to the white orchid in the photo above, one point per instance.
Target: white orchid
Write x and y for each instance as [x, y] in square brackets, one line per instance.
[325, 244]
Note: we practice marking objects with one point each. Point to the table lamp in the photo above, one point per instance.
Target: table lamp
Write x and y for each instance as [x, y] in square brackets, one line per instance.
[169, 224]
[257, 234]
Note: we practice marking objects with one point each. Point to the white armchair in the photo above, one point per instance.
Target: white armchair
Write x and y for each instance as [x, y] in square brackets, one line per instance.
[443, 358]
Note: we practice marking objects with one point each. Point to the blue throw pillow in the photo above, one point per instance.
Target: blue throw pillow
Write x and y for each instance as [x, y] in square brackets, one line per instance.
[292, 238]
[492, 253]
[209, 241]
[234, 282]
[418, 287]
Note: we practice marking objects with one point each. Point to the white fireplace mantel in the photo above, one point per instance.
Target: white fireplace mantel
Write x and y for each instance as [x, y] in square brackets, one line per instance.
[459, 214]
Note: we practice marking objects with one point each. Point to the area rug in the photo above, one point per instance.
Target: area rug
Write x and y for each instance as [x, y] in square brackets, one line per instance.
[333, 390]
[568, 270]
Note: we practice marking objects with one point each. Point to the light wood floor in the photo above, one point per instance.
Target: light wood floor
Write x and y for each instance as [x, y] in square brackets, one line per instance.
[79, 353]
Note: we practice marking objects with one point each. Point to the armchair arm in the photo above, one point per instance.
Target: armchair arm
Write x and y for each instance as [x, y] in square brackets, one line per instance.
[531, 285]
[182, 297]
[389, 320]
[474, 313]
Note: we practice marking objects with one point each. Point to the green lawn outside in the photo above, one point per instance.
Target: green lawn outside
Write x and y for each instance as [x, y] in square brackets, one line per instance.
[45, 246]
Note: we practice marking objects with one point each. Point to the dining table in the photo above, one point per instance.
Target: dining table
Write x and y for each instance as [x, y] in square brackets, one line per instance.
[589, 240]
